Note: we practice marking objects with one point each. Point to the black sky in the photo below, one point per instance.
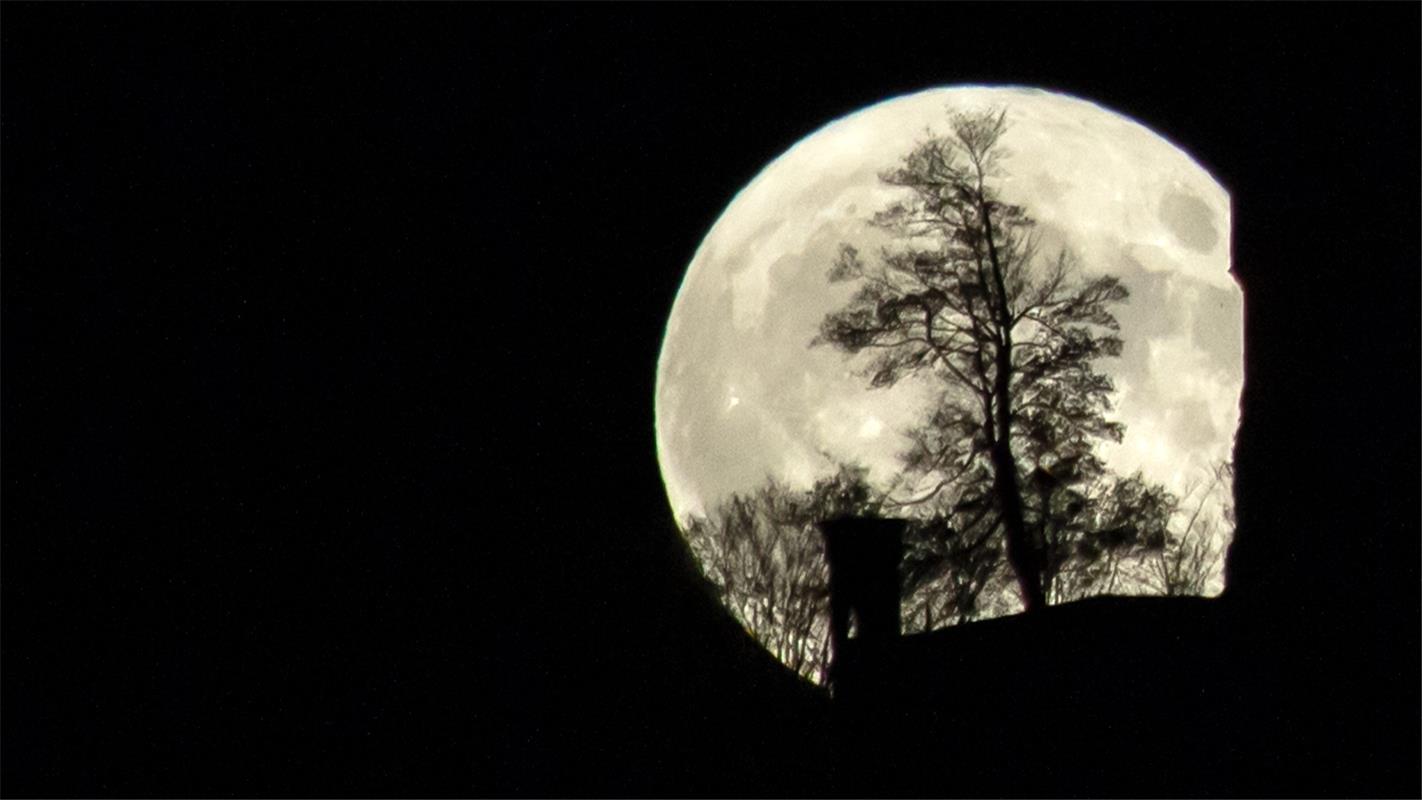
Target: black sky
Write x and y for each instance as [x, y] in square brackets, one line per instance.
[330, 335]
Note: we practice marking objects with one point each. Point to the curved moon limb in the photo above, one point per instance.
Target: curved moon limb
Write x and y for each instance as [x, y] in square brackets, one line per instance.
[740, 396]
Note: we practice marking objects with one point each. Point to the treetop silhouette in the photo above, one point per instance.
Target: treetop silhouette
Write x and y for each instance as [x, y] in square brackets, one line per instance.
[1002, 481]
[1010, 335]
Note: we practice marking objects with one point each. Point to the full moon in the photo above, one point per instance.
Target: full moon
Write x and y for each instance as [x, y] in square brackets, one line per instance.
[740, 396]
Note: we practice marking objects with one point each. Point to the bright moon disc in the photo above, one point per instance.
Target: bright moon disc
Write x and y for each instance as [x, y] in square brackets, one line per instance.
[741, 396]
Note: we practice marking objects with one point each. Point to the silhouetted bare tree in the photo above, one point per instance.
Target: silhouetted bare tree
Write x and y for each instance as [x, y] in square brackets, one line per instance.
[949, 577]
[765, 557]
[1094, 543]
[1012, 337]
[1190, 557]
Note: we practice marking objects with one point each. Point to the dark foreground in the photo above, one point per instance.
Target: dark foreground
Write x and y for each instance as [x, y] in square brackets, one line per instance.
[1124, 696]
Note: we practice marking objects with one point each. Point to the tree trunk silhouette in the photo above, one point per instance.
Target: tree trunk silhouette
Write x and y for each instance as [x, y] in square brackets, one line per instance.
[1021, 553]
[964, 299]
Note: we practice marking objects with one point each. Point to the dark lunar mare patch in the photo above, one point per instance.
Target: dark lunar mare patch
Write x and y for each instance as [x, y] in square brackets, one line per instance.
[1190, 220]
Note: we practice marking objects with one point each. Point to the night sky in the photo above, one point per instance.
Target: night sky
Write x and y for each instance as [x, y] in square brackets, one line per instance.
[329, 346]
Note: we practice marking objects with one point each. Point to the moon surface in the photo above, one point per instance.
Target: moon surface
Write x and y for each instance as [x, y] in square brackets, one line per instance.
[741, 397]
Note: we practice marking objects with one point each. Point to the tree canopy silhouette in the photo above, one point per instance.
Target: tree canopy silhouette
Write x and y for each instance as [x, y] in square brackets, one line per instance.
[1011, 337]
[766, 561]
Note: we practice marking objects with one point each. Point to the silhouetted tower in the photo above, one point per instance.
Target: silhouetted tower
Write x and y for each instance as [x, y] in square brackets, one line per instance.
[863, 555]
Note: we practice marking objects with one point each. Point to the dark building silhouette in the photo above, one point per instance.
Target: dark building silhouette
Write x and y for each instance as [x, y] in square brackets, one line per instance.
[863, 555]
